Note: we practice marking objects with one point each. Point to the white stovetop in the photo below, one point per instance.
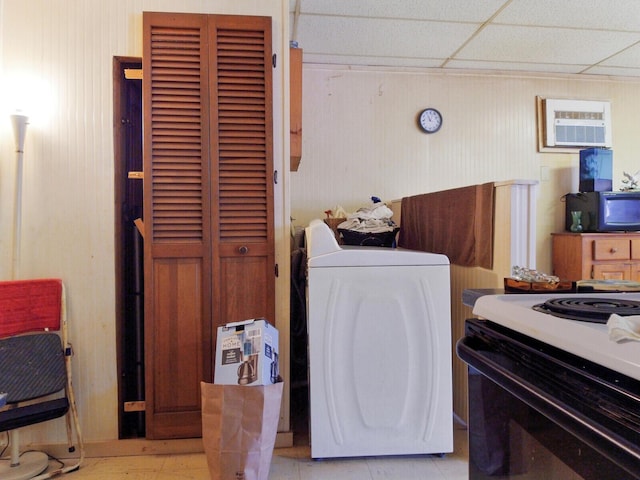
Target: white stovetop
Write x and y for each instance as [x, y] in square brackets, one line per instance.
[585, 339]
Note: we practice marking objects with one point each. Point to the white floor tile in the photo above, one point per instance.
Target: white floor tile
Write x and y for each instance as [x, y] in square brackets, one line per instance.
[343, 469]
[407, 468]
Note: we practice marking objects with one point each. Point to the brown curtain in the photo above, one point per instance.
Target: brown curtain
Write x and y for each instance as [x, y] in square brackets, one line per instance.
[457, 223]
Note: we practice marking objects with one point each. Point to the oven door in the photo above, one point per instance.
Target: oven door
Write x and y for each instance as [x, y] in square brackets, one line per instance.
[537, 412]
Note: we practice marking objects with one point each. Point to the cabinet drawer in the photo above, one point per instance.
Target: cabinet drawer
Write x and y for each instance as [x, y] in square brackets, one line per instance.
[611, 271]
[612, 249]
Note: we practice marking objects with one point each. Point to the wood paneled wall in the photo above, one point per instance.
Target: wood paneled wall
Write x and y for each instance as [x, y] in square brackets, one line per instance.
[68, 208]
[361, 137]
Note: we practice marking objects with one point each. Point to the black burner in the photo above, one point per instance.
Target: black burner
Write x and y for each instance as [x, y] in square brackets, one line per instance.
[588, 309]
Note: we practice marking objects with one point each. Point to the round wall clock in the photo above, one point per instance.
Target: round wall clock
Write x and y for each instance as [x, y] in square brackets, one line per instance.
[430, 120]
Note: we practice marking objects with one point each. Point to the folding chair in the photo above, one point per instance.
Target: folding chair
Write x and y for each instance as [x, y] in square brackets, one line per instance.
[35, 372]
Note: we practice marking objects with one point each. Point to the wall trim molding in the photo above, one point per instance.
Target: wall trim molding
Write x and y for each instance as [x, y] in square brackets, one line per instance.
[140, 446]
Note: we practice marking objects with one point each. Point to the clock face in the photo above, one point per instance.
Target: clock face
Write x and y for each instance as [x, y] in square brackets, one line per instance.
[430, 120]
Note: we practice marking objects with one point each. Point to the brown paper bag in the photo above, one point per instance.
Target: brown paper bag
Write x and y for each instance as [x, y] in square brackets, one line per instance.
[239, 426]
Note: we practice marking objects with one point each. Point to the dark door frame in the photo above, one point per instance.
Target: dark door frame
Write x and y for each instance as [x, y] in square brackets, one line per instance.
[129, 337]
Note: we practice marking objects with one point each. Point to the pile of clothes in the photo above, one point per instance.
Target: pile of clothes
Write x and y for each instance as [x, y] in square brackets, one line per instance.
[375, 218]
[368, 226]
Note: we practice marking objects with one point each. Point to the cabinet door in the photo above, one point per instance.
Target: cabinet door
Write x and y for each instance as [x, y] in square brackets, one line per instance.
[612, 271]
[567, 257]
[635, 271]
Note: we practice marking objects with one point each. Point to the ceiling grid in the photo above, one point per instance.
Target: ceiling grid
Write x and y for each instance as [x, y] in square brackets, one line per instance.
[595, 37]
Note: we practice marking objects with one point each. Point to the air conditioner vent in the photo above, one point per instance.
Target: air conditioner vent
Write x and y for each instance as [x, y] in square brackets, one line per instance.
[577, 123]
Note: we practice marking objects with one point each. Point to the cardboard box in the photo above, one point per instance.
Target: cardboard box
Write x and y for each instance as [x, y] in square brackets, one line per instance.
[247, 353]
[596, 170]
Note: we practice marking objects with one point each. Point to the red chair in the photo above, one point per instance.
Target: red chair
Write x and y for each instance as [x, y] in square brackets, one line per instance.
[35, 372]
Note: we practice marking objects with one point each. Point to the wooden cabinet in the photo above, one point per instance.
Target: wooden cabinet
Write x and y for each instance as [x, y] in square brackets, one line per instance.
[295, 106]
[209, 248]
[597, 256]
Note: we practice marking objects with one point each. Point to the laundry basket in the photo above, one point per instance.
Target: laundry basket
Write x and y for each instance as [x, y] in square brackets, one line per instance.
[369, 239]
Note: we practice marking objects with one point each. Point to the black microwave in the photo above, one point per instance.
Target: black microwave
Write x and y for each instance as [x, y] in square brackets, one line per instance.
[604, 211]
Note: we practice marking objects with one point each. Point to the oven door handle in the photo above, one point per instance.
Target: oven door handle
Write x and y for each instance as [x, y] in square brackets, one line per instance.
[571, 420]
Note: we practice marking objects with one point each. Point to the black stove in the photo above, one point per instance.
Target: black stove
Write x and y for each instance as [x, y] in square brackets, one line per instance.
[588, 309]
[536, 411]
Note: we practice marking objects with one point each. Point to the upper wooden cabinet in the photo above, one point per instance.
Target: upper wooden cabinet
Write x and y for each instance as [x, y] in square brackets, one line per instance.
[209, 248]
[295, 91]
[597, 256]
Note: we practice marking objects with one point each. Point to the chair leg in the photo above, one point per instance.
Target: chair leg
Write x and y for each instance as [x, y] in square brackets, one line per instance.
[72, 424]
[67, 422]
[71, 418]
[71, 415]
[73, 408]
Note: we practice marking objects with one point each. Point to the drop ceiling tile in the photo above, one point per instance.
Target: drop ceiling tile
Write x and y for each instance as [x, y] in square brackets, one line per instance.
[627, 58]
[378, 37]
[621, 15]
[505, 43]
[449, 10]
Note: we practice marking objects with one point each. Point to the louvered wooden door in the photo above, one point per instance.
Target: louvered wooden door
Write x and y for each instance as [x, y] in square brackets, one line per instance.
[242, 139]
[208, 200]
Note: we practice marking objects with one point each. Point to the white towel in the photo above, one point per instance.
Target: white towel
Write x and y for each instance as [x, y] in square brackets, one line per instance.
[377, 211]
[624, 328]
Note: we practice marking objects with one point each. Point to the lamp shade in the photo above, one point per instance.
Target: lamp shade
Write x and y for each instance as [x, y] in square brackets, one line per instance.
[19, 123]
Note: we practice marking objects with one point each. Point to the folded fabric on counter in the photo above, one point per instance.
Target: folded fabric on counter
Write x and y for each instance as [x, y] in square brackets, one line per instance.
[624, 328]
[457, 223]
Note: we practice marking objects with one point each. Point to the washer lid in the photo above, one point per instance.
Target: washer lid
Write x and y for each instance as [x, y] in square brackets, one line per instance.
[323, 251]
[376, 257]
[320, 239]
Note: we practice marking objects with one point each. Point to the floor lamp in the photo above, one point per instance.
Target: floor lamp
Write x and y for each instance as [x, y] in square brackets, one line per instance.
[31, 463]
[19, 123]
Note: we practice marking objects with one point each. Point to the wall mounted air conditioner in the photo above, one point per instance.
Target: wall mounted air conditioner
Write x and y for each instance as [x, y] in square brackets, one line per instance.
[577, 123]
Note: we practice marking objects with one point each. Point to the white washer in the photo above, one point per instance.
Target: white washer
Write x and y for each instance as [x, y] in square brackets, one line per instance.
[379, 323]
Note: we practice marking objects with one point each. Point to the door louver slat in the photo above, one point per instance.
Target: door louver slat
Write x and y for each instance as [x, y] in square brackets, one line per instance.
[176, 132]
[243, 207]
